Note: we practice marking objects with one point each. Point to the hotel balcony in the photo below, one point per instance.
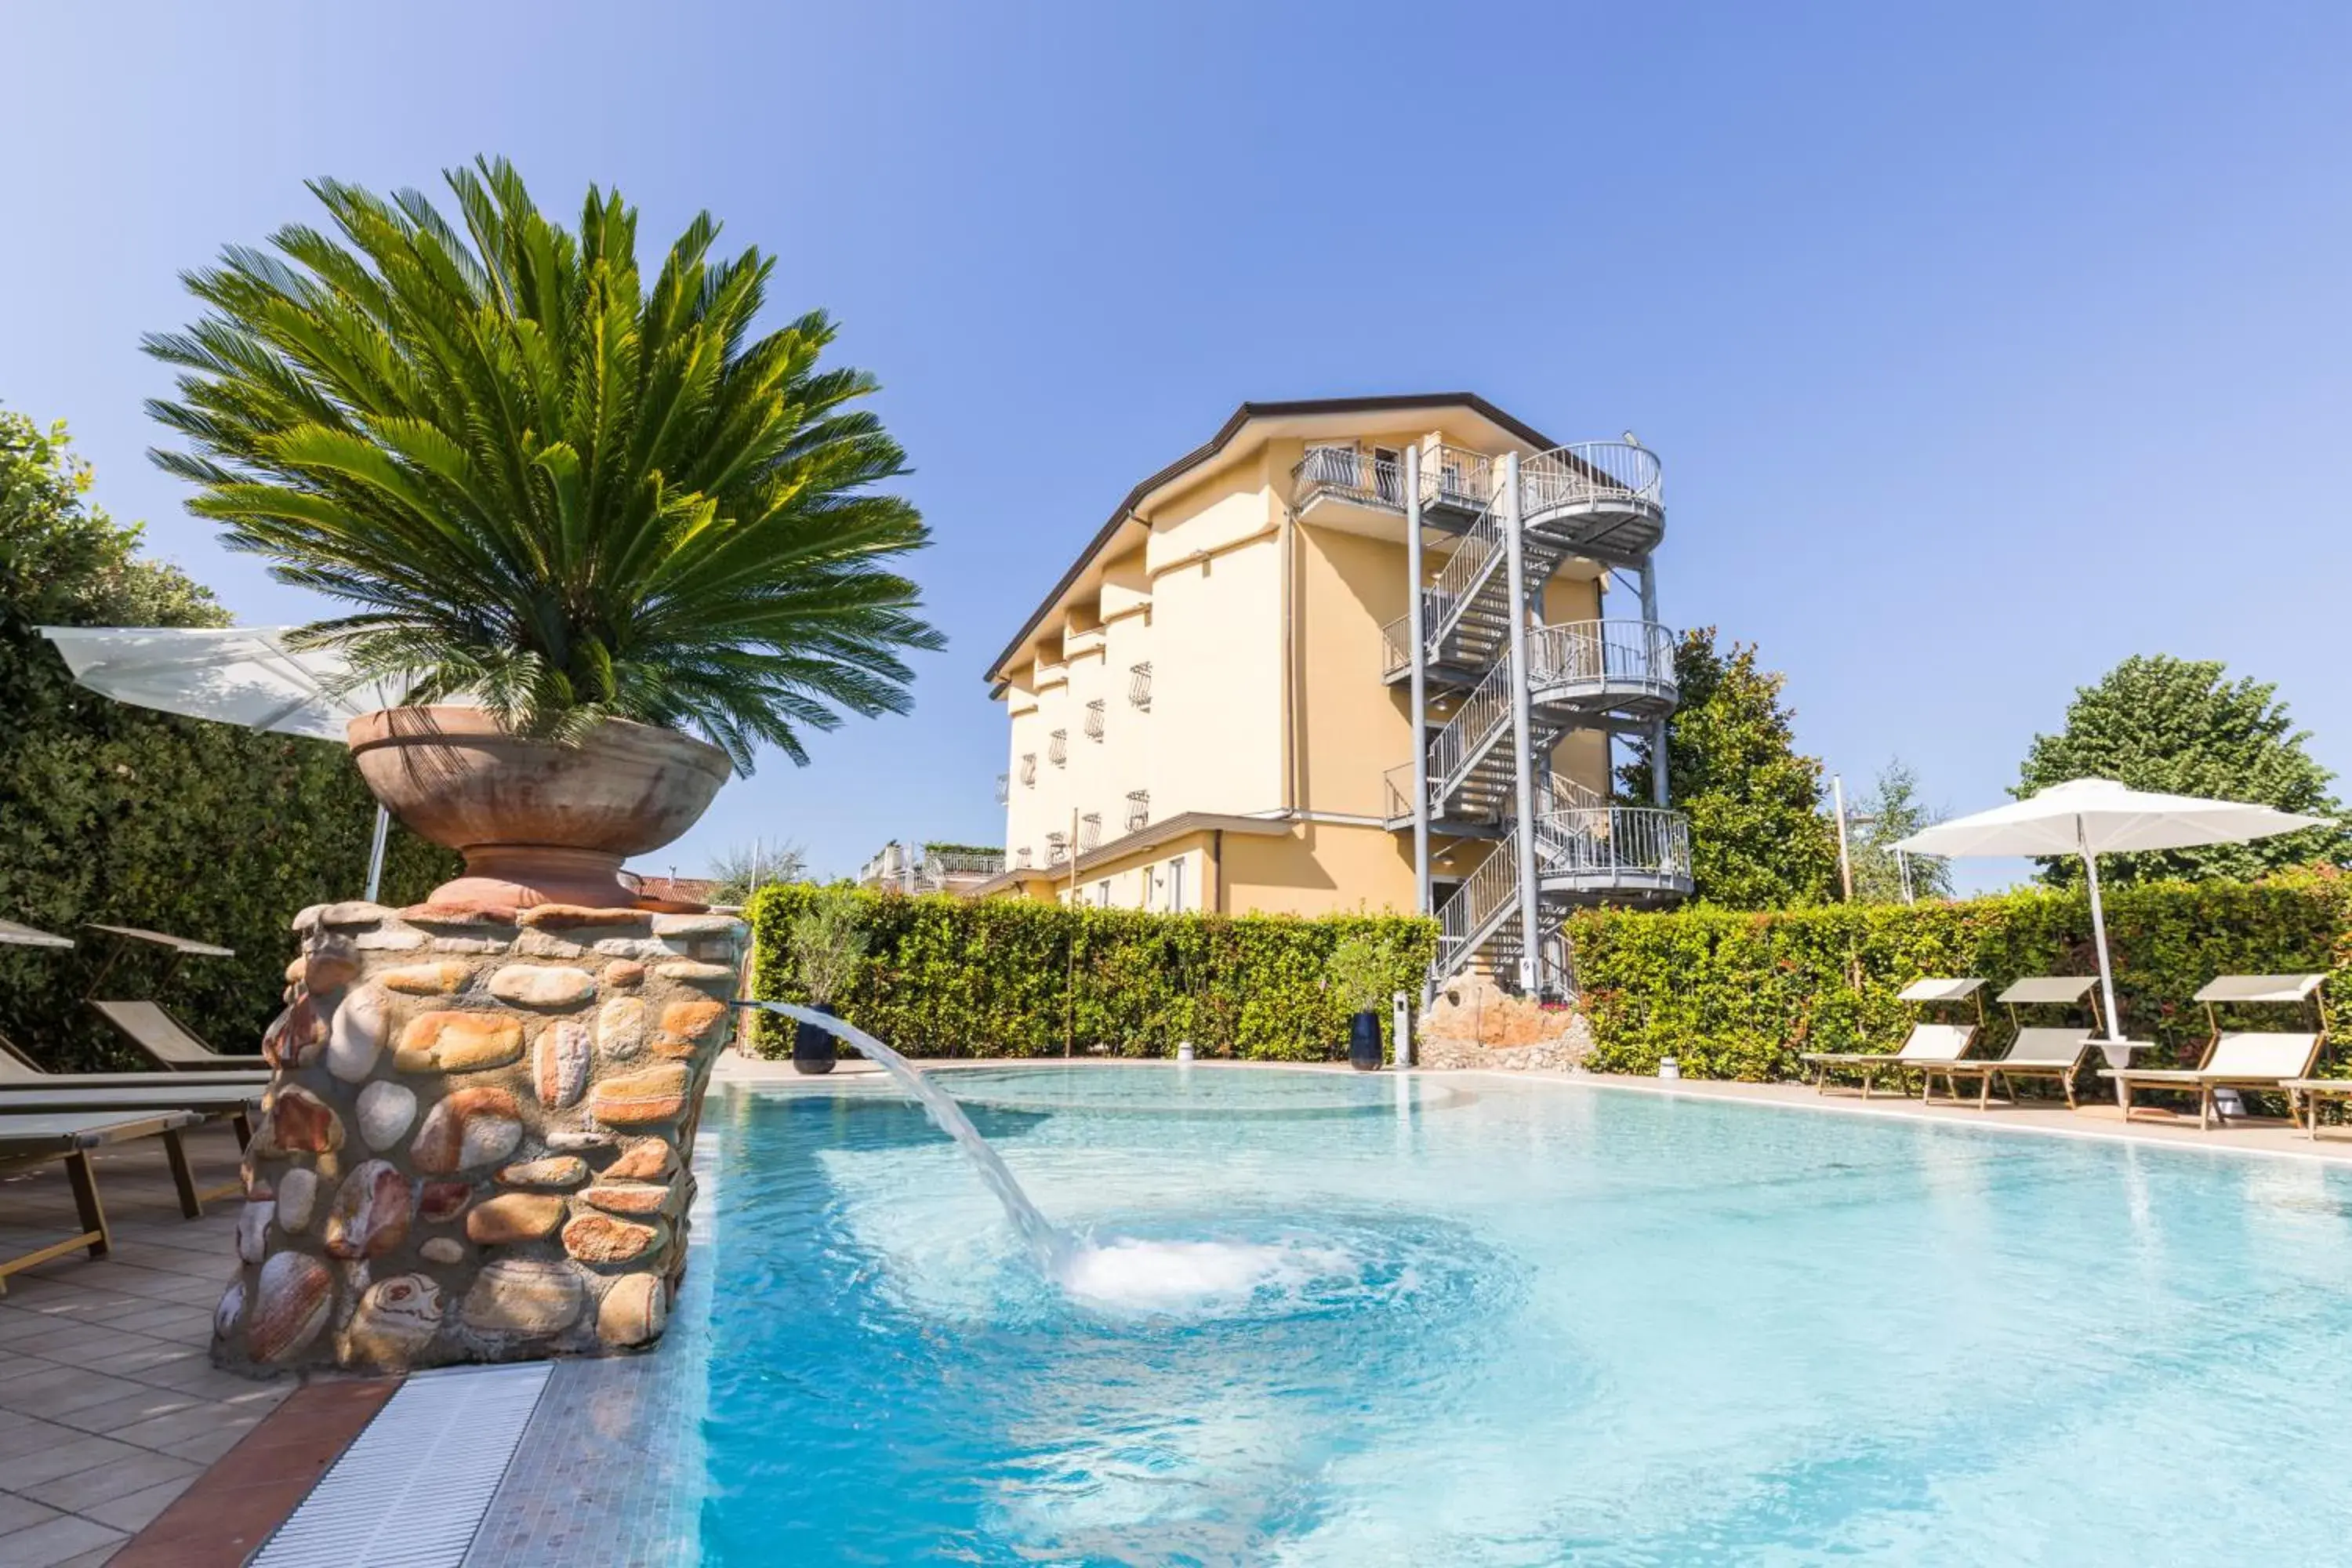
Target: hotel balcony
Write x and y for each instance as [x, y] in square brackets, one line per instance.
[1578, 669]
[1455, 483]
[1634, 855]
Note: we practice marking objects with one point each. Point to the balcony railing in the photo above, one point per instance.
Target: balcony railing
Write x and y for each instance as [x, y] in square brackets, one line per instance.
[1612, 845]
[1095, 720]
[1029, 769]
[1603, 653]
[1456, 478]
[1397, 783]
[942, 866]
[1004, 788]
[1139, 810]
[1138, 685]
[1347, 473]
[1587, 473]
[1057, 849]
[1452, 478]
[1057, 747]
[1090, 831]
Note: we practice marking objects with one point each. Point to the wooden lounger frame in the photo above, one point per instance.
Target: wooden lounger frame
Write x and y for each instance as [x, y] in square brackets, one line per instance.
[75, 1137]
[2235, 990]
[2041, 990]
[1921, 993]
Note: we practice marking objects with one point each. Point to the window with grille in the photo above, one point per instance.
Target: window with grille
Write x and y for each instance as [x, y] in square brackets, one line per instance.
[1090, 830]
[1138, 809]
[1029, 768]
[1138, 685]
[1057, 849]
[1057, 748]
[1095, 720]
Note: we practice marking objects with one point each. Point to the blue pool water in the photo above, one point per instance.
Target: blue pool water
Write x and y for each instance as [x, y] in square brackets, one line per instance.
[1327, 1320]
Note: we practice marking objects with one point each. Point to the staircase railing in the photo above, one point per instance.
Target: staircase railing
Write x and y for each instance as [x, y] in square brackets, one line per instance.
[1468, 733]
[1486, 898]
[1479, 554]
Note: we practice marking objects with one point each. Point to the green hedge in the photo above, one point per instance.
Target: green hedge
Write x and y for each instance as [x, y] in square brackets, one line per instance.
[1742, 996]
[1006, 977]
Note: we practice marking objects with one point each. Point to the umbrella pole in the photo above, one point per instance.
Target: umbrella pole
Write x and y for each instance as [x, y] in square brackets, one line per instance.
[2099, 932]
[375, 857]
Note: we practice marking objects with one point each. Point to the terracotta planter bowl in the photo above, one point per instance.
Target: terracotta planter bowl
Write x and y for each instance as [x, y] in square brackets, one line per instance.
[537, 822]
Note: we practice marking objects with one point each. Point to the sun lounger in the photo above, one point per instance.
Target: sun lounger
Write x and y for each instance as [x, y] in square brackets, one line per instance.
[2035, 1053]
[2038, 1051]
[201, 1097]
[2243, 1060]
[2307, 1092]
[1927, 1044]
[70, 1138]
[18, 1071]
[167, 1040]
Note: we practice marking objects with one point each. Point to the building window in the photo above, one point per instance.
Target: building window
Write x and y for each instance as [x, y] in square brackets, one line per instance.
[1057, 747]
[1057, 849]
[1138, 685]
[1029, 769]
[1138, 809]
[1176, 887]
[1090, 830]
[1095, 720]
[1102, 894]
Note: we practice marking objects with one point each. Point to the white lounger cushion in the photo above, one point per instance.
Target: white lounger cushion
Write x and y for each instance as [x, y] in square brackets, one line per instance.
[1935, 1043]
[2260, 1056]
[2046, 1047]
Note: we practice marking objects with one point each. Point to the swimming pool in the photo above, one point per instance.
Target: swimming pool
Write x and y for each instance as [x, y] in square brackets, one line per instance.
[1346, 1320]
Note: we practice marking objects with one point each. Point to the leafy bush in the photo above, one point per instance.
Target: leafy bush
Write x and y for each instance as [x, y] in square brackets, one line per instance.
[115, 814]
[1359, 977]
[1743, 995]
[827, 941]
[1001, 977]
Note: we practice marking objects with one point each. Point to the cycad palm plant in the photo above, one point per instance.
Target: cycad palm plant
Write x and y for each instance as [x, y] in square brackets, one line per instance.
[543, 482]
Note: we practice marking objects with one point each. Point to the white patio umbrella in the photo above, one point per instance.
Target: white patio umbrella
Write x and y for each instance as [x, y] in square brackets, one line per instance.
[2092, 817]
[245, 675]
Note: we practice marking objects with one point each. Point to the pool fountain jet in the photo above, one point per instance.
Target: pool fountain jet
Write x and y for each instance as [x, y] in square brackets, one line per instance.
[1046, 1242]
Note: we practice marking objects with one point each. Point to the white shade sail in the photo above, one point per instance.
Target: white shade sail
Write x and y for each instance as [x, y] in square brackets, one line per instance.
[2103, 817]
[245, 676]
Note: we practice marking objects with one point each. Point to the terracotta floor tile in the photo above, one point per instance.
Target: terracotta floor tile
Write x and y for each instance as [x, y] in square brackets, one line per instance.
[233, 1507]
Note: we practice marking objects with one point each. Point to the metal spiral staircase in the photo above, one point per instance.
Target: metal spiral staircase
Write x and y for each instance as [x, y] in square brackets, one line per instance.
[1598, 501]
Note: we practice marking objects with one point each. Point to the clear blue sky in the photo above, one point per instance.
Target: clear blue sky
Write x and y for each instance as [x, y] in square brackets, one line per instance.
[1984, 344]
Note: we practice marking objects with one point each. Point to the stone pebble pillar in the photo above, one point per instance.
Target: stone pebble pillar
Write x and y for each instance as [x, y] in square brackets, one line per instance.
[476, 1141]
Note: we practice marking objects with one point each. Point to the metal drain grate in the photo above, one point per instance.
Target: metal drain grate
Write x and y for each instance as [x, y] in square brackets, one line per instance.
[412, 1489]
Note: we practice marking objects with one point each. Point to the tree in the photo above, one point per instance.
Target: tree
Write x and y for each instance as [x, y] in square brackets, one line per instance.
[116, 814]
[742, 870]
[540, 478]
[1890, 812]
[2176, 726]
[1758, 837]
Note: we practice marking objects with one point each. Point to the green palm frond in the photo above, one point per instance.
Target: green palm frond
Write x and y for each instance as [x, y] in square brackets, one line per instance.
[540, 479]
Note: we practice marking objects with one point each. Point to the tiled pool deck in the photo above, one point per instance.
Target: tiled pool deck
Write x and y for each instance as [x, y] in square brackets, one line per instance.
[112, 1405]
[113, 1408]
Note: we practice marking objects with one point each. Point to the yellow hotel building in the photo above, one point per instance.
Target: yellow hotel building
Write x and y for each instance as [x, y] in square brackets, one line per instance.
[1234, 700]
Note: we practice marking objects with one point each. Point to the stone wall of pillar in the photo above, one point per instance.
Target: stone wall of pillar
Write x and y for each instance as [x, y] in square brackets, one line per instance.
[475, 1145]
